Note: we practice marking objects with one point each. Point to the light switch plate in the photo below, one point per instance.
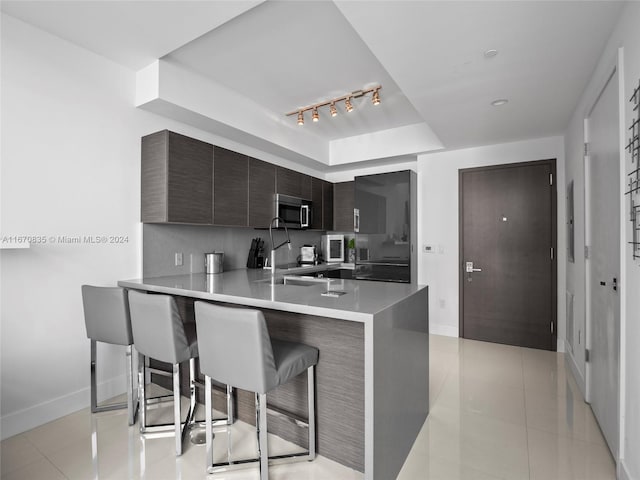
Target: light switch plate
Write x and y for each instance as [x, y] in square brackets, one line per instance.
[427, 248]
[178, 259]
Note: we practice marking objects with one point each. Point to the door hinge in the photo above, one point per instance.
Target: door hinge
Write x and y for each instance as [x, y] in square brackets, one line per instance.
[586, 149]
[551, 179]
[552, 253]
[587, 355]
[551, 328]
[586, 251]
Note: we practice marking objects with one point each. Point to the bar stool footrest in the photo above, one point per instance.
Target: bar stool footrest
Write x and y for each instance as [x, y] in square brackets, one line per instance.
[251, 462]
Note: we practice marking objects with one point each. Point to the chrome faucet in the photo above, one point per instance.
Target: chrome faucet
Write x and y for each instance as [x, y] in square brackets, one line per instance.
[287, 242]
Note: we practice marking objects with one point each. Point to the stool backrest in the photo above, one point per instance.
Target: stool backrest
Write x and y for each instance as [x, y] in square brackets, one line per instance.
[158, 331]
[106, 314]
[235, 347]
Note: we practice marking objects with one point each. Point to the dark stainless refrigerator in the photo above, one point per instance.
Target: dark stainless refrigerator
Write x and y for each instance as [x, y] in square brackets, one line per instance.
[385, 224]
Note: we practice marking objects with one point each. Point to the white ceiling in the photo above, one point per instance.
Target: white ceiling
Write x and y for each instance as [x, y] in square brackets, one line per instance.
[131, 33]
[288, 55]
[427, 55]
[435, 52]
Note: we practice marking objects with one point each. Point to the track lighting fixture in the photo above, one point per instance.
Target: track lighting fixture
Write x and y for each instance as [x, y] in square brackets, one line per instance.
[315, 116]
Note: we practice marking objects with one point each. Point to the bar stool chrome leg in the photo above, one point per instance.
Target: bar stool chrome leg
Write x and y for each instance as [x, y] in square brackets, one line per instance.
[129, 404]
[311, 405]
[261, 430]
[142, 394]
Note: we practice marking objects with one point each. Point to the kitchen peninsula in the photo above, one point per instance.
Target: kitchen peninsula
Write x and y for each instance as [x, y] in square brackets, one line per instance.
[373, 373]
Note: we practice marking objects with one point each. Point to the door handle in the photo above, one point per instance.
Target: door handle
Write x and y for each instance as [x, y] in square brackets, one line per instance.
[469, 268]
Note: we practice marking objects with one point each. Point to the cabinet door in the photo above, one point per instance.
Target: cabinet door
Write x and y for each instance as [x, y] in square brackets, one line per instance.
[317, 205]
[230, 188]
[176, 179]
[190, 179]
[288, 182]
[153, 177]
[327, 205]
[262, 189]
[343, 201]
[306, 186]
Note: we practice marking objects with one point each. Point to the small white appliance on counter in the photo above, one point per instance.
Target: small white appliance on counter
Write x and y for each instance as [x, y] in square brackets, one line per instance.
[308, 255]
[333, 248]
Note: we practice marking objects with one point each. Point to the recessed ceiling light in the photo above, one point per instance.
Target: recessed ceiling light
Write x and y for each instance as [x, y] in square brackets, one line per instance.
[490, 53]
[500, 101]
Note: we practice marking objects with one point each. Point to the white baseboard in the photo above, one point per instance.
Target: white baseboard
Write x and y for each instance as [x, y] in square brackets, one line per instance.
[623, 473]
[446, 330]
[17, 422]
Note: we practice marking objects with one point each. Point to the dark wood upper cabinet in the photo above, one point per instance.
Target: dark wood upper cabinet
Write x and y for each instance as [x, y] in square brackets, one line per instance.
[295, 184]
[176, 179]
[288, 182]
[230, 188]
[317, 207]
[184, 180]
[343, 204]
[322, 198]
[262, 189]
[306, 185]
[327, 205]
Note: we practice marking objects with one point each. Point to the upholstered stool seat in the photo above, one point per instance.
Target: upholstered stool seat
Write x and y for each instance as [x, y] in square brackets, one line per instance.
[236, 349]
[107, 320]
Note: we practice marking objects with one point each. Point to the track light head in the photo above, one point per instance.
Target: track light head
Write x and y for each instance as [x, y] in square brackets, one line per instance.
[347, 105]
[376, 97]
[333, 109]
[300, 118]
[315, 117]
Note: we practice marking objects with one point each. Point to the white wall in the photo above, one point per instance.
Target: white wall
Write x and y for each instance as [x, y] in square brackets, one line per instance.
[626, 36]
[70, 166]
[438, 222]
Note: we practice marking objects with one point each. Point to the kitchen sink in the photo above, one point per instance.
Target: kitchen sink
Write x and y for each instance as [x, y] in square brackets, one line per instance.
[295, 280]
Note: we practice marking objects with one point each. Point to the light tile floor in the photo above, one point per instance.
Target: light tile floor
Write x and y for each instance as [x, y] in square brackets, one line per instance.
[497, 412]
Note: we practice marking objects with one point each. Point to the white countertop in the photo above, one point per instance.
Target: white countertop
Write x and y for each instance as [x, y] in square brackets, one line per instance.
[361, 301]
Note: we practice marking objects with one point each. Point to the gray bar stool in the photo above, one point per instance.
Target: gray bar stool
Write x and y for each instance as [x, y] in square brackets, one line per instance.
[158, 333]
[106, 318]
[236, 349]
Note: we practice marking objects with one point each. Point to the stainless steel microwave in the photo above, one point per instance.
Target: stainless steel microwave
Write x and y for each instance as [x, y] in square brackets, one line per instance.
[295, 212]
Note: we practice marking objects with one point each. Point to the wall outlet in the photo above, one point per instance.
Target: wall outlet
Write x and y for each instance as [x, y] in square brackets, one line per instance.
[178, 259]
[442, 303]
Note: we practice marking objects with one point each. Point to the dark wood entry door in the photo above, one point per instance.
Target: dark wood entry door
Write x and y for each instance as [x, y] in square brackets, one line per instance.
[507, 229]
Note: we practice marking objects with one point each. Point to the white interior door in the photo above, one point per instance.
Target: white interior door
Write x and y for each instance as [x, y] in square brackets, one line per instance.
[603, 264]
